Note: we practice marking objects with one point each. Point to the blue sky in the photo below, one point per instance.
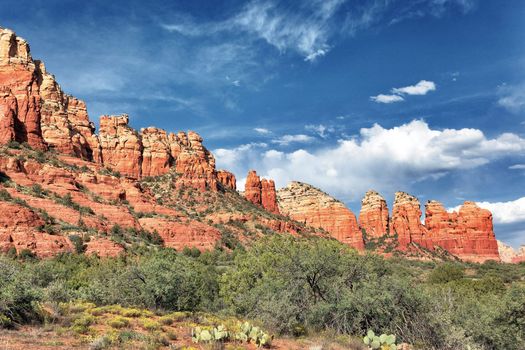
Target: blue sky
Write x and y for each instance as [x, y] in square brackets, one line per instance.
[424, 96]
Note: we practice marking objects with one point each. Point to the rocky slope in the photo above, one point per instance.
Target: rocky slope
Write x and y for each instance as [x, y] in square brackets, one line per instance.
[64, 187]
[120, 187]
[312, 206]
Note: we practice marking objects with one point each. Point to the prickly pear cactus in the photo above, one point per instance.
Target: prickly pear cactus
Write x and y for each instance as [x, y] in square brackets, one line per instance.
[383, 342]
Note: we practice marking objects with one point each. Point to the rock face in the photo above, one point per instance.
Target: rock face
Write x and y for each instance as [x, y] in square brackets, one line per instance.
[34, 109]
[307, 204]
[479, 243]
[64, 120]
[509, 255]
[467, 234]
[194, 164]
[253, 188]
[406, 219]
[20, 80]
[261, 193]
[373, 217]
[269, 196]
[156, 154]
[17, 230]
[120, 145]
[227, 179]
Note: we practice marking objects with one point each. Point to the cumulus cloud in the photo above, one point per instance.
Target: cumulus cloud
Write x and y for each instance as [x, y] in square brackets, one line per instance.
[504, 212]
[381, 98]
[421, 88]
[288, 139]
[380, 158]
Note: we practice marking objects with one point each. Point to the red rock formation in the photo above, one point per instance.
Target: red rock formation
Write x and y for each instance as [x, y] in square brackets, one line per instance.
[103, 247]
[64, 120]
[373, 217]
[156, 155]
[194, 164]
[315, 208]
[8, 112]
[261, 193]
[179, 235]
[120, 145]
[406, 219]
[268, 196]
[227, 179]
[42, 111]
[18, 230]
[20, 75]
[253, 188]
[467, 234]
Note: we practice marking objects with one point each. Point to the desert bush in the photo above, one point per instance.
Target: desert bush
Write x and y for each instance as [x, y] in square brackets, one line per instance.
[318, 283]
[446, 272]
[18, 298]
[118, 322]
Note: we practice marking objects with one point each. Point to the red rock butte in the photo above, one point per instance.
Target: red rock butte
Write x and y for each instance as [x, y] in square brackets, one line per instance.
[114, 174]
[261, 192]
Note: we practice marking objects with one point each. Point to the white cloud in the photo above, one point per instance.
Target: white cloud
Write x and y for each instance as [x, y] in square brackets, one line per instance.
[304, 29]
[314, 55]
[243, 154]
[287, 139]
[517, 167]
[504, 212]
[321, 130]
[262, 131]
[380, 158]
[512, 98]
[421, 88]
[381, 98]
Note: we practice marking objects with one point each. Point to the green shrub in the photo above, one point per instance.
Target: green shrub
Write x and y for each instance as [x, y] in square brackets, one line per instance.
[78, 243]
[149, 324]
[118, 322]
[446, 272]
[81, 324]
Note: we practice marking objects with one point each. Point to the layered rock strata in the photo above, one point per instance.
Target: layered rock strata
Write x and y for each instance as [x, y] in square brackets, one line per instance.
[305, 203]
[374, 217]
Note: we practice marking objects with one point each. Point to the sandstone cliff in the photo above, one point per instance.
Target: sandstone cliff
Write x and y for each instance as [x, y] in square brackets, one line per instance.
[34, 109]
[467, 234]
[261, 193]
[406, 219]
[80, 189]
[310, 205]
[374, 216]
[227, 179]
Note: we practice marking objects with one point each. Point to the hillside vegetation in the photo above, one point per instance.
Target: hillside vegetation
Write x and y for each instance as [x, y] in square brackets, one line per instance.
[292, 287]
